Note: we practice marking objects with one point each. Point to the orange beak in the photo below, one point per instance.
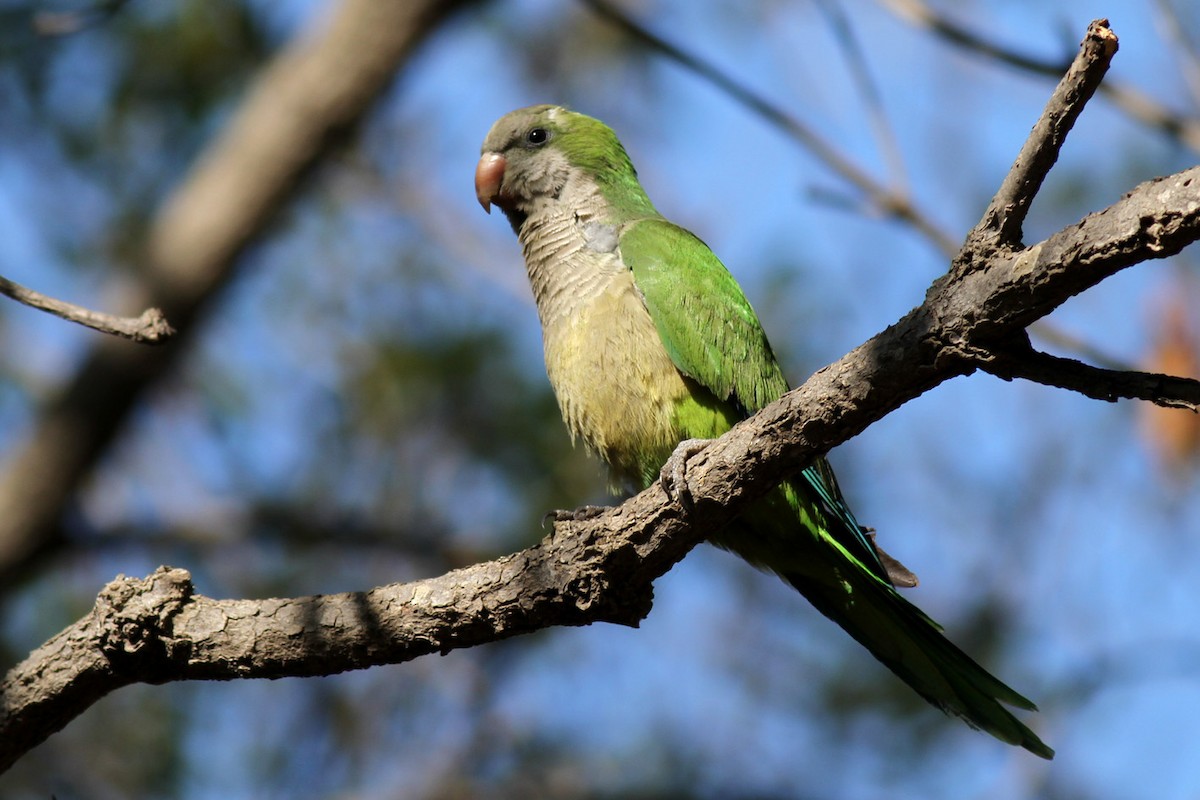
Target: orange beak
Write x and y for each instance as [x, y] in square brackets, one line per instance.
[488, 177]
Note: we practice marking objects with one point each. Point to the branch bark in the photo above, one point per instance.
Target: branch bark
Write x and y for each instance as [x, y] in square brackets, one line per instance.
[600, 568]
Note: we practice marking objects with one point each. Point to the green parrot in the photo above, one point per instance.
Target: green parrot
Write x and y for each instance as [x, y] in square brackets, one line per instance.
[649, 342]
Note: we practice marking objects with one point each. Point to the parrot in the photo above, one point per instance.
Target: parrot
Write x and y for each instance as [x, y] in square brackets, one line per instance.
[649, 342]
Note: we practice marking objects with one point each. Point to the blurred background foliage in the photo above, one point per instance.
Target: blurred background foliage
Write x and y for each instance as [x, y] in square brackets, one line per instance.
[366, 403]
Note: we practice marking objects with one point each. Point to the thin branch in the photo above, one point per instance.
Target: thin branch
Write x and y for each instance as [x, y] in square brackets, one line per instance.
[1137, 104]
[1168, 21]
[879, 199]
[1097, 383]
[860, 73]
[149, 328]
[890, 202]
[1006, 213]
[1047, 333]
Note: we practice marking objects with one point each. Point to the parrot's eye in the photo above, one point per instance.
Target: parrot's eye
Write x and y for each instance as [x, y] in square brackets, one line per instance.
[537, 136]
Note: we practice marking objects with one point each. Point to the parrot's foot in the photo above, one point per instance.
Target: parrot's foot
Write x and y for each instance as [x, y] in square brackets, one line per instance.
[674, 473]
[574, 514]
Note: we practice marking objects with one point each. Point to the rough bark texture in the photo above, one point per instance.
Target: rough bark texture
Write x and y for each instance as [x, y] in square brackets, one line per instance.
[600, 567]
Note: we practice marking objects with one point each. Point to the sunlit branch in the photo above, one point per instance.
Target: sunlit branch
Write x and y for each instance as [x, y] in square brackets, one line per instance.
[151, 327]
[1005, 215]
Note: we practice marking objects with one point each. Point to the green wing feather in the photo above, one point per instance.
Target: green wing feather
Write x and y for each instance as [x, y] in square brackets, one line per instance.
[706, 323]
[714, 337]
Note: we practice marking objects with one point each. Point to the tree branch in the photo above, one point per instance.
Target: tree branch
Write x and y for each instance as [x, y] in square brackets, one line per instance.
[1006, 213]
[151, 327]
[1094, 382]
[600, 568]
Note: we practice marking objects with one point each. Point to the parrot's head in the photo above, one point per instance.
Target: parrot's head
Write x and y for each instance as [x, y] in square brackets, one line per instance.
[532, 153]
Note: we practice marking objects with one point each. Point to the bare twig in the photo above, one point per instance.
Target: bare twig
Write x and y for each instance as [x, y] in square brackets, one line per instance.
[1168, 21]
[1006, 213]
[880, 199]
[860, 72]
[150, 328]
[1057, 336]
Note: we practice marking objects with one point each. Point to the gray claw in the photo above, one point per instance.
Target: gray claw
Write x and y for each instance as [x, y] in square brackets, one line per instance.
[673, 475]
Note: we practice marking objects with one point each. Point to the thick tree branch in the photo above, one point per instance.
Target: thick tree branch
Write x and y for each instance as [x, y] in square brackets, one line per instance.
[600, 568]
[150, 327]
[158, 630]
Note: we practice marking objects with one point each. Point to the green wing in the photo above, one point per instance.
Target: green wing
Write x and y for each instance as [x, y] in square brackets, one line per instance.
[714, 337]
[706, 324]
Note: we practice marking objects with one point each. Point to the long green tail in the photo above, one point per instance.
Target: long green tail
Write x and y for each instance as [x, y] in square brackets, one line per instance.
[910, 644]
[830, 560]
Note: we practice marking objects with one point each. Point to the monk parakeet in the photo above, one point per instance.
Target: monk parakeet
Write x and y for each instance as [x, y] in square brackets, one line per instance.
[649, 341]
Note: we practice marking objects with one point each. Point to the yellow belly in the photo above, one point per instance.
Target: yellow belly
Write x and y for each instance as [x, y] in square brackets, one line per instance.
[616, 385]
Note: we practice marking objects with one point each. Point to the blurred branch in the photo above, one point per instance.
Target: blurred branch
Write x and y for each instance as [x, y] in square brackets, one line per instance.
[860, 73]
[149, 328]
[1136, 104]
[888, 201]
[318, 86]
[600, 566]
[1057, 336]
[65, 23]
[1174, 31]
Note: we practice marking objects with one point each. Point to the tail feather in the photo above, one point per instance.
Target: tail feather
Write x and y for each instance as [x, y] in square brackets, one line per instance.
[805, 533]
[908, 643]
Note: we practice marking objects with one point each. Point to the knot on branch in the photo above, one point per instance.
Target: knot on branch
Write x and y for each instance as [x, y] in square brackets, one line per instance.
[626, 603]
[152, 327]
[134, 618]
[603, 573]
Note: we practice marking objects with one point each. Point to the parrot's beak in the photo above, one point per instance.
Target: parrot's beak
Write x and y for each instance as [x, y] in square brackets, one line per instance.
[488, 177]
